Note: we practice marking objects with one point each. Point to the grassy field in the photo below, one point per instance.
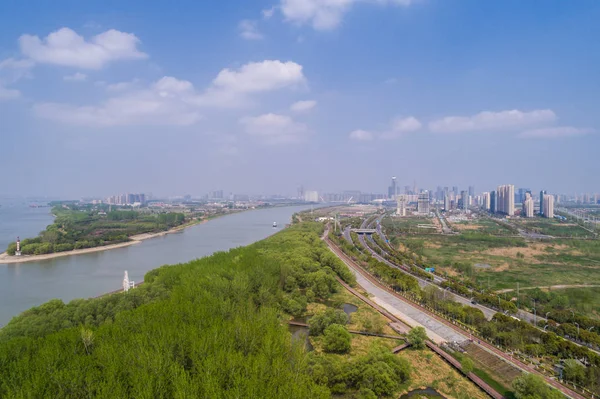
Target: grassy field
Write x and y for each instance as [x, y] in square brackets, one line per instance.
[410, 225]
[584, 300]
[429, 370]
[552, 227]
[506, 261]
[482, 225]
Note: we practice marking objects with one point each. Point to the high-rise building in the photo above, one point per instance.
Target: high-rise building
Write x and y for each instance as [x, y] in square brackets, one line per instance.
[542, 193]
[505, 201]
[493, 202]
[471, 191]
[455, 191]
[311, 196]
[401, 209]
[392, 190]
[464, 200]
[423, 203]
[486, 201]
[528, 206]
[446, 202]
[548, 206]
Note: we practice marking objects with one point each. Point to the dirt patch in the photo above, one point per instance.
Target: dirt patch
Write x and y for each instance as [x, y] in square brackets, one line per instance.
[502, 268]
[432, 245]
[429, 370]
[462, 227]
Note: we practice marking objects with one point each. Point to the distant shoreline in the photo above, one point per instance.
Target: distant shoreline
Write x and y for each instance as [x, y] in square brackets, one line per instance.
[6, 259]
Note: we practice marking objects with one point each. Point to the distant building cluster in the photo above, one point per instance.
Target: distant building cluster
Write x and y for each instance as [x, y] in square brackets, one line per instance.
[127, 199]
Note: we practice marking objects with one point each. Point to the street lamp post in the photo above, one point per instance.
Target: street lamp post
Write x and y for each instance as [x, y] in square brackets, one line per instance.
[577, 330]
[534, 314]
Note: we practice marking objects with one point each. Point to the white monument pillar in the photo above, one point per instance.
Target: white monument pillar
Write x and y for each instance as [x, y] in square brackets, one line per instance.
[126, 282]
[18, 251]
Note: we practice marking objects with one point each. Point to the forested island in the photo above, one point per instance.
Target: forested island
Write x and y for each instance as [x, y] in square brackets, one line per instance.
[80, 227]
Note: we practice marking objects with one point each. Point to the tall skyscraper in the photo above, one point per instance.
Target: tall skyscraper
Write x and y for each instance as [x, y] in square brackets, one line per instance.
[446, 202]
[464, 200]
[486, 201]
[528, 206]
[423, 203]
[392, 190]
[549, 206]
[493, 202]
[401, 209]
[506, 199]
[455, 191]
[471, 191]
[542, 193]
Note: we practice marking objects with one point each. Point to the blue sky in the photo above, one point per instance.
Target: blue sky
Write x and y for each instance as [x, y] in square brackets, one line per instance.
[102, 97]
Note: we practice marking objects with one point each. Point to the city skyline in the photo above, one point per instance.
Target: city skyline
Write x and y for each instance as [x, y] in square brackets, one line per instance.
[271, 96]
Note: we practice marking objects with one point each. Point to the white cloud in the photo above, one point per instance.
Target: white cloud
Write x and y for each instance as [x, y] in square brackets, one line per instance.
[489, 121]
[268, 13]
[11, 71]
[168, 101]
[555, 132]
[391, 81]
[409, 124]
[249, 30]
[274, 129]
[325, 14]
[231, 87]
[120, 86]
[361, 135]
[171, 101]
[8, 94]
[65, 47]
[76, 77]
[302, 106]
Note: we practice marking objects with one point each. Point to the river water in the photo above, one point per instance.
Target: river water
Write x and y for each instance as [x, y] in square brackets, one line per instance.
[25, 285]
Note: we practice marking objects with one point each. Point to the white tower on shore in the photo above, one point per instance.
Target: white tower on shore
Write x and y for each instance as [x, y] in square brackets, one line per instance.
[126, 283]
[18, 251]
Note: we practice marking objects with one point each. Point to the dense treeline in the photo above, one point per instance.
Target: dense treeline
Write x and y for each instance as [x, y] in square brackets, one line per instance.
[210, 328]
[76, 228]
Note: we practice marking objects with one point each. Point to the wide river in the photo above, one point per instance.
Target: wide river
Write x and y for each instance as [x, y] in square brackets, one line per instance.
[25, 285]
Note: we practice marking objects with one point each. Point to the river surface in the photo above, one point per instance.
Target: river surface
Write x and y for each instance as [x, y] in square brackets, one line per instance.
[25, 285]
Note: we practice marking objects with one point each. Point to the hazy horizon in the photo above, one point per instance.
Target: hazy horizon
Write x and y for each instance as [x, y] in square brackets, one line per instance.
[98, 99]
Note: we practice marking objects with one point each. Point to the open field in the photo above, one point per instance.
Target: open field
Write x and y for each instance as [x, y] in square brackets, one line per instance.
[506, 261]
[482, 225]
[429, 370]
[552, 227]
[410, 225]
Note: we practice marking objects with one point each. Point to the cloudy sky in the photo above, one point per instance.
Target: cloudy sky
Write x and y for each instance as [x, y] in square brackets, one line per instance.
[102, 97]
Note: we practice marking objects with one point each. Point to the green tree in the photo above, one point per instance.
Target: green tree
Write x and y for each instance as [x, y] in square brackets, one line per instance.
[320, 321]
[574, 371]
[336, 339]
[467, 365]
[531, 386]
[417, 337]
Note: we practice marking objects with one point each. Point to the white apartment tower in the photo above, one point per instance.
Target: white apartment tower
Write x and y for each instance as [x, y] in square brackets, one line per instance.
[506, 199]
[528, 206]
[487, 203]
[423, 203]
[549, 206]
[401, 209]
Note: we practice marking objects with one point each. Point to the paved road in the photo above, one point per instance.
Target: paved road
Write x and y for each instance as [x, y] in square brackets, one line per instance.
[487, 312]
[412, 316]
[436, 328]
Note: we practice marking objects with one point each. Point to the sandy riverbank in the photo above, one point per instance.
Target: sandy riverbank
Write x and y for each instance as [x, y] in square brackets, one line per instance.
[6, 259]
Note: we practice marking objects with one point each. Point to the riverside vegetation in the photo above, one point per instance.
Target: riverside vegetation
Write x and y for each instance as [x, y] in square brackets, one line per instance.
[548, 348]
[214, 327]
[78, 227]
